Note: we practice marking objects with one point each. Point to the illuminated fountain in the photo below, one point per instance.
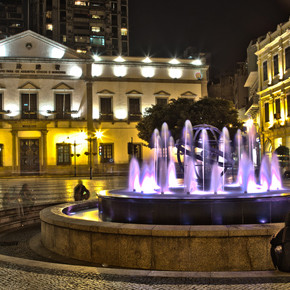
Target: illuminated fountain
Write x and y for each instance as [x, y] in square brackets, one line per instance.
[220, 218]
[216, 189]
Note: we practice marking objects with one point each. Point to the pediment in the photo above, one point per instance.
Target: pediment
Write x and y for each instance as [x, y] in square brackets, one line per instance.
[28, 86]
[188, 94]
[134, 92]
[161, 93]
[105, 92]
[29, 44]
[62, 86]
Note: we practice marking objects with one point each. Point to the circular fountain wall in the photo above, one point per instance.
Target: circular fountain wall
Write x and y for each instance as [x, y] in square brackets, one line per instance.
[183, 209]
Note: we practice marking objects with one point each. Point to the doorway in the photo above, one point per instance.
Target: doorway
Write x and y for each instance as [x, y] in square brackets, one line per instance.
[29, 156]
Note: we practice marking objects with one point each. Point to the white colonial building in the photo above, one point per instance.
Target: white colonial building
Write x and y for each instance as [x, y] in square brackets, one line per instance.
[64, 112]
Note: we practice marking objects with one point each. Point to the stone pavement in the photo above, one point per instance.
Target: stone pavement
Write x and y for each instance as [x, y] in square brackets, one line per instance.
[21, 268]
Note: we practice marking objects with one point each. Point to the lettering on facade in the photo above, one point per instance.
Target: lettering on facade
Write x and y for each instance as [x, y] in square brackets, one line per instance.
[32, 71]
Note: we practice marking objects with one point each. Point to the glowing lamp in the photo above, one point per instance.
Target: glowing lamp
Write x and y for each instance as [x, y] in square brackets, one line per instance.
[174, 61]
[119, 59]
[76, 71]
[147, 60]
[120, 71]
[196, 62]
[147, 71]
[175, 73]
[97, 58]
[99, 134]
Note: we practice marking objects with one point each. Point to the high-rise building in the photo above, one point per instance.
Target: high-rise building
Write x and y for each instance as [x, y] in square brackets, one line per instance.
[96, 26]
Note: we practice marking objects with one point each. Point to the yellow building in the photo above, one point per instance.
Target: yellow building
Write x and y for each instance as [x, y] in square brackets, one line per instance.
[273, 52]
[65, 113]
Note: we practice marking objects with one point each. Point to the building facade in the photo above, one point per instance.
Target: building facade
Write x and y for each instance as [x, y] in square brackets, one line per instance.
[273, 53]
[97, 26]
[64, 112]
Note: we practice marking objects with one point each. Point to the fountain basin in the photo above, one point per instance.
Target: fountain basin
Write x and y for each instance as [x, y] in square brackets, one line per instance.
[186, 209]
[157, 247]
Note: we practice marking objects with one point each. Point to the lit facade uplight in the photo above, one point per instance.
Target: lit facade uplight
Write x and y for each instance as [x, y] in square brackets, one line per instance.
[96, 58]
[97, 70]
[174, 61]
[249, 123]
[175, 73]
[57, 53]
[121, 114]
[76, 71]
[119, 59]
[196, 62]
[2, 50]
[120, 71]
[14, 110]
[148, 71]
[147, 60]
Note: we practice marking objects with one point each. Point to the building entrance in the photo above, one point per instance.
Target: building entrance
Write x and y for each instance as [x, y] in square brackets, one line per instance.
[29, 156]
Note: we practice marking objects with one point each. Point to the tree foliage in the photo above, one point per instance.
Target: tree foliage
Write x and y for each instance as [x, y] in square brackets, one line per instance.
[215, 112]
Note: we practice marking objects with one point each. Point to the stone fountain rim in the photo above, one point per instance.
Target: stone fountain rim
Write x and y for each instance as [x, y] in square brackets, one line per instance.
[56, 216]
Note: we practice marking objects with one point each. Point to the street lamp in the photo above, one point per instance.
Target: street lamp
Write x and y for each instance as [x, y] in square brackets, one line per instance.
[98, 135]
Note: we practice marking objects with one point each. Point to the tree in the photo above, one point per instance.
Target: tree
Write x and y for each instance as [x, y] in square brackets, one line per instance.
[215, 112]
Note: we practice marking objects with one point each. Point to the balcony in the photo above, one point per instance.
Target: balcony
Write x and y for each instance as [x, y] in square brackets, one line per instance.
[133, 117]
[106, 117]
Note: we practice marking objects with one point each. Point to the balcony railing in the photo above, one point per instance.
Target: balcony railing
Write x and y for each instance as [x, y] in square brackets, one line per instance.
[134, 116]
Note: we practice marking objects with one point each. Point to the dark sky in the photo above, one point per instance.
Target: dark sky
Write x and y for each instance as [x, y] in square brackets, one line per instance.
[224, 28]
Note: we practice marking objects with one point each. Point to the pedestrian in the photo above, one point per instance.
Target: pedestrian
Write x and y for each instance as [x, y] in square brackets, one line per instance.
[280, 249]
[81, 192]
[26, 196]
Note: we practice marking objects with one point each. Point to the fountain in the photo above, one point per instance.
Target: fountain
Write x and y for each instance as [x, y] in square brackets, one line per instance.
[210, 194]
[223, 211]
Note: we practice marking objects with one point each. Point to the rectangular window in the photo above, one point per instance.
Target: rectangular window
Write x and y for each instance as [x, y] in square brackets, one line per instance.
[287, 57]
[106, 109]
[107, 153]
[161, 101]
[97, 40]
[96, 28]
[288, 105]
[1, 105]
[28, 106]
[267, 112]
[1, 154]
[134, 109]
[277, 107]
[62, 106]
[63, 154]
[265, 71]
[276, 64]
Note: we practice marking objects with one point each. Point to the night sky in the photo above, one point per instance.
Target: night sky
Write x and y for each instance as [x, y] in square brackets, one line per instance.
[224, 28]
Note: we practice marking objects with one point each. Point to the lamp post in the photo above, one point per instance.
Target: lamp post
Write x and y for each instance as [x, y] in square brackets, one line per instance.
[98, 135]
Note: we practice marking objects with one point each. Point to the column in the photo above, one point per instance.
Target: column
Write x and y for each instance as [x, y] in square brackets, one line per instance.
[14, 138]
[44, 150]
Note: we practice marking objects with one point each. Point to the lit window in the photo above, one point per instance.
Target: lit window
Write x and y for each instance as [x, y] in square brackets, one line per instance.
[80, 3]
[64, 38]
[107, 153]
[63, 154]
[94, 16]
[124, 31]
[81, 50]
[97, 40]
[49, 27]
[96, 28]
[48, 14]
